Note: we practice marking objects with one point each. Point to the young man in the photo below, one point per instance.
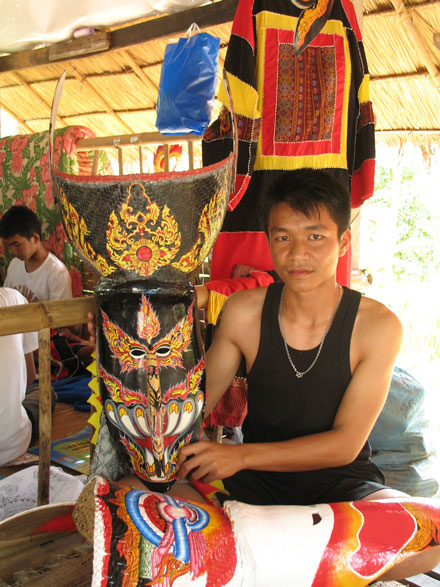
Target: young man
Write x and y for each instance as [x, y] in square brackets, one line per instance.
[319, 361]
[17, 371]
[36, 273]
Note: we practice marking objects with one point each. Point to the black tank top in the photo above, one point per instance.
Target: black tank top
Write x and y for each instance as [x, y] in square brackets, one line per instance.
[282, 406]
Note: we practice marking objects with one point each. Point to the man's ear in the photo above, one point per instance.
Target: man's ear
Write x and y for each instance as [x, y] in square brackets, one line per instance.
[344, 242]
[35, 237]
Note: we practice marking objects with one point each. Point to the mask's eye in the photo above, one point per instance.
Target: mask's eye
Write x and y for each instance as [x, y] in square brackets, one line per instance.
[163, 351]
[137, 353]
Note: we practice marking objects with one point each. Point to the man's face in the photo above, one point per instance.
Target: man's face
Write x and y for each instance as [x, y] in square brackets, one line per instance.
[305, 250]
[21, 247]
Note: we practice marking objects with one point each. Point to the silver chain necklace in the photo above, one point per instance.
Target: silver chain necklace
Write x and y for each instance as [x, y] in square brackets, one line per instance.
[300, 374]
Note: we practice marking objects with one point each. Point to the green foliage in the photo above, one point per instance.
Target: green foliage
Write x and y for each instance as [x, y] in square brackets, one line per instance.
[400, 241]
[417, 229]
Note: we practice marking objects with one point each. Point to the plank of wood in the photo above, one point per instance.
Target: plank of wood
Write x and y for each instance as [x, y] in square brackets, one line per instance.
[39, 315]
[421, 581]
[435, 573]
[45, 416]
[76, 571]
[205, 16]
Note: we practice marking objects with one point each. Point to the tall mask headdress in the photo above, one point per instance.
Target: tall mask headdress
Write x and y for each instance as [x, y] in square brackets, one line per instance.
[146, 235]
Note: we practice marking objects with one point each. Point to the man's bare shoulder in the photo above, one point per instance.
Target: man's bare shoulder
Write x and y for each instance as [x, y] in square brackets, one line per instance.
[370, 309]
[246, 302]
[242, 310]
[375, 323]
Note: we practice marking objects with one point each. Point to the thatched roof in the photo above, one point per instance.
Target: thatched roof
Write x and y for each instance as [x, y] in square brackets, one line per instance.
[114, 91]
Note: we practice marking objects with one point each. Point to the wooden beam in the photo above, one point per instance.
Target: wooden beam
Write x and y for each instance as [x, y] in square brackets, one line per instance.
[400, 76]
[21, 82]
[39, 315]
[139, 71]
[134, 140]
[408, 131]
[417, 40]
[122, 38]
[410, 8]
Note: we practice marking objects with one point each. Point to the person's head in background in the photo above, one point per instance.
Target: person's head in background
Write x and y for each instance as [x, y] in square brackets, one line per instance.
[20, 228]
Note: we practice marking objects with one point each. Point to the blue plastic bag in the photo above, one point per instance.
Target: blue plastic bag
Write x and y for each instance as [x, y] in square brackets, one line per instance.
[187, 84]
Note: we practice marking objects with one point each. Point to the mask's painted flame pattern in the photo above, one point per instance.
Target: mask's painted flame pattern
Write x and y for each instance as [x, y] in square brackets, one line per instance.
[210, 222]
[122, 344]
[148, 324]
[78, 232]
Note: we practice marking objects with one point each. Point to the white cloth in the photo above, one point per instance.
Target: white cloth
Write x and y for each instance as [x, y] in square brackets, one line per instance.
[51, 281]
[293, 543]
[15, 426]
[18, 492]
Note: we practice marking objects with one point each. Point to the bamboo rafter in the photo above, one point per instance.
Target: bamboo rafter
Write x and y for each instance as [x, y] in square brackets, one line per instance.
[419, 43]
[83, 80]
[24, 83]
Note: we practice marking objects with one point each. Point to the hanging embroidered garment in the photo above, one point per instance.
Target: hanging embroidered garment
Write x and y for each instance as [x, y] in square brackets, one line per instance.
[300, 88]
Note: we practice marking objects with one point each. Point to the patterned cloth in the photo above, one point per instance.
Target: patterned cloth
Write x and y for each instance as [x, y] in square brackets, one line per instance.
[25, 179]
[298, 104]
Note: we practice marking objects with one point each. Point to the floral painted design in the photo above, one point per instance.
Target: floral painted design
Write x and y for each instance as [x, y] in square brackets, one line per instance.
[25, 179]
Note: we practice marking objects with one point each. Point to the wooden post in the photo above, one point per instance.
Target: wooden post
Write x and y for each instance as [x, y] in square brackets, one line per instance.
[166, 158]
[191, 154]
[141, 160]
[95, 162]
[45, 409]
[120, 162]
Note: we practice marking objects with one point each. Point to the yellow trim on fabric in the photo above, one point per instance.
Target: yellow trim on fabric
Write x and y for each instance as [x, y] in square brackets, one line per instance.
[244, 97]
[215, 305]
[314, 161]
[92, 366]
[95, 401]
[326, 160]
[364, 90]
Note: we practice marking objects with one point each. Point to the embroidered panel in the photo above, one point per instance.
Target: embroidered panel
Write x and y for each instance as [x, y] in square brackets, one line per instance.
[305, 98]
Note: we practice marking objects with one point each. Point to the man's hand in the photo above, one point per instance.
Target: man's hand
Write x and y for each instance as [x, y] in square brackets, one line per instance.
[208, 461]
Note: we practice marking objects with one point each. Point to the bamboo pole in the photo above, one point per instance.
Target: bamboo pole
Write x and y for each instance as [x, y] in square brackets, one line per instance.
[23, 83]
[45, 417]
[139, 71]
[130, 140]
[39, 315]
[83, 80]
[419, 44]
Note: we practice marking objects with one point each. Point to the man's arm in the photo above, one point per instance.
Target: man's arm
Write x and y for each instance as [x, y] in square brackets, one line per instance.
[223, 358]
[378, 335]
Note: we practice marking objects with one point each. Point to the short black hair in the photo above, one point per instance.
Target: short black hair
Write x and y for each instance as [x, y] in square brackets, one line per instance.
[19, 220]
[305, 190]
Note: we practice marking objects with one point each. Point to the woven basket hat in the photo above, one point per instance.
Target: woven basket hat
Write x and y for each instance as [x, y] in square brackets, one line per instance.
[158, 226]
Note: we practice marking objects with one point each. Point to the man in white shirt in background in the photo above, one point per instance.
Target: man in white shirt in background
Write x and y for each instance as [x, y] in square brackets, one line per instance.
[34, 272]
[17, 371]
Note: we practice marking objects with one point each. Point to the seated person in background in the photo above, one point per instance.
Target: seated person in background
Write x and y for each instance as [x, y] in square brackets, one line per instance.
[40, 276]
[36, 273]
[17, 371]
[319, 360]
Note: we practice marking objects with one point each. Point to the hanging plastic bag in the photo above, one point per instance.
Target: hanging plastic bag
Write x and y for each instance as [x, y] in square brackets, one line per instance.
[187, 84]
